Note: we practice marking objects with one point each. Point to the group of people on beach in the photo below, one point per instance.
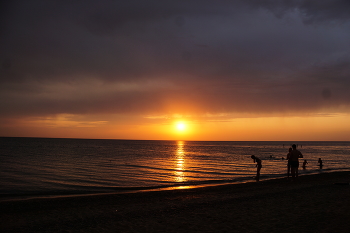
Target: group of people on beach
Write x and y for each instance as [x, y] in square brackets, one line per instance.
[293, 163]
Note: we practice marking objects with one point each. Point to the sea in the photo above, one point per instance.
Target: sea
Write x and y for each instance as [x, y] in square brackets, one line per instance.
[41, 167]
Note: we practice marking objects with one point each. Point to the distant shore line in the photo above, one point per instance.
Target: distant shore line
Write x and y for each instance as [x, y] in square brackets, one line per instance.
[286, 143]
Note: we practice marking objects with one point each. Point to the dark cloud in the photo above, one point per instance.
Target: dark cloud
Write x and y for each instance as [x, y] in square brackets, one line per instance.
[326, 93]
[147, 57]
[311, 11]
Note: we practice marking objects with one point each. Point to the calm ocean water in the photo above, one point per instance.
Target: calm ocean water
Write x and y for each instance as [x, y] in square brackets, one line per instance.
[44, 166]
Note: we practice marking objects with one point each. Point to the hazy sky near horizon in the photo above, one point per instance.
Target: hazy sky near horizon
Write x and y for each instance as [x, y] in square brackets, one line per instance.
[97, 65]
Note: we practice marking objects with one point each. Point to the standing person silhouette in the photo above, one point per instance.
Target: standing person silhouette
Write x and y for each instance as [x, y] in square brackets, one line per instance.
[288, 164]
[304, 164]
[320, 163]
[294, 161]
[258, 165]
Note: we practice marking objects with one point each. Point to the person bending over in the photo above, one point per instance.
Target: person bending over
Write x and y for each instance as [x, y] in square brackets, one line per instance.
[258, 165]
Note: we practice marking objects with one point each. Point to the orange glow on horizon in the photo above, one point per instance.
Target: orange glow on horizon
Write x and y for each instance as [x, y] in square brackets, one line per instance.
[312, 128]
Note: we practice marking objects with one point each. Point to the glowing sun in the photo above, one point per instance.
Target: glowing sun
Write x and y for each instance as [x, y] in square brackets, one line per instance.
[180, 126]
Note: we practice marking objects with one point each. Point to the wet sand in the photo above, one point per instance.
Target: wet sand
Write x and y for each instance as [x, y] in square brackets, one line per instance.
[314, 203]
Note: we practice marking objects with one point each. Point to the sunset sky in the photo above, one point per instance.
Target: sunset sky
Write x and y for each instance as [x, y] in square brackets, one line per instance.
[226, 70]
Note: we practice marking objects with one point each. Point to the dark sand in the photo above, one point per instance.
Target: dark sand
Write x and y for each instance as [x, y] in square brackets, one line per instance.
[315, 203]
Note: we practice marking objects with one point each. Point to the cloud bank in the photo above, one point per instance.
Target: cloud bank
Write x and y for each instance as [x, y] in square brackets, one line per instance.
[174, 57]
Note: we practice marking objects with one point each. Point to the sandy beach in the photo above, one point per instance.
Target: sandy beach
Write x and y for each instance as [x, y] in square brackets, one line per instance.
[313, 203]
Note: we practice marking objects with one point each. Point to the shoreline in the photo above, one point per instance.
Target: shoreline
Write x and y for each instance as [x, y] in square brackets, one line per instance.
[126, 190]
[312, 203]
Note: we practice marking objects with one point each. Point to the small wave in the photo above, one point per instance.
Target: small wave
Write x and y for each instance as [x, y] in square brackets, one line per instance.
[182, 170]
[90, 190]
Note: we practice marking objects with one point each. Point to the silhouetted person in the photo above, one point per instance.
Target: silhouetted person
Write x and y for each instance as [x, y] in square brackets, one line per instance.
[288, 164]
[294, 161]
[258, 165]
[304, 164]
[320, 163]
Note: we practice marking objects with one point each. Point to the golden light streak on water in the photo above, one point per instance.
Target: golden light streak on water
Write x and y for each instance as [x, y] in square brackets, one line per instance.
[180, 162]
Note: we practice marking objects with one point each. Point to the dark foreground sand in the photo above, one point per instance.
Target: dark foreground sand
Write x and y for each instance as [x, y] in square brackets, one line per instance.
[315, 203]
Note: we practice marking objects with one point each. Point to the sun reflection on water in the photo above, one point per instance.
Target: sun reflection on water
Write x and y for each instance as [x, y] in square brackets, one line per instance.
[180, 162]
